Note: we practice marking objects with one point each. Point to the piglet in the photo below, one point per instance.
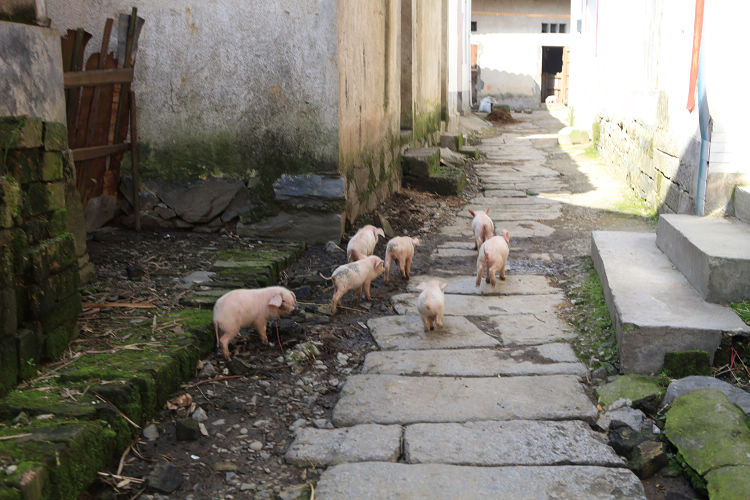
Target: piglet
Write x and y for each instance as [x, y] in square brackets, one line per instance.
[241, 308]
[363, 241]
[493, 255]
[400, 249]
[482, 226]
[355, 275]
[431, 303]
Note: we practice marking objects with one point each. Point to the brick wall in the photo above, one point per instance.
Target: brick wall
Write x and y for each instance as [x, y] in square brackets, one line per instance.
[39, 297]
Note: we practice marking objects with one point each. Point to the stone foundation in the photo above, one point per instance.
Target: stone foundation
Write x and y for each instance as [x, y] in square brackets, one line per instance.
[39, 298]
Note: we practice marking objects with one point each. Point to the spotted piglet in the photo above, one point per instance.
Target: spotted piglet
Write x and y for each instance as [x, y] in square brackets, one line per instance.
[355, 275]
[244, 307]
[493, 255]
[431, 303]
[400, 249]
[363, 241]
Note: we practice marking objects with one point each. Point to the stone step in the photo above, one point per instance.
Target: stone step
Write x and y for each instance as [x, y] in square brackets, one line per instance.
[467, 305]
[547, 359]
[517, 229]
[516, 442]
[378, 480]
[394, 399]
[713, 254]
[742, 203]
[653, 307]
[361, 443]
[407, 332]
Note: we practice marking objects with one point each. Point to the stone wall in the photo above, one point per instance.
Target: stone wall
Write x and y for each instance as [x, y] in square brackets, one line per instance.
[39, 298]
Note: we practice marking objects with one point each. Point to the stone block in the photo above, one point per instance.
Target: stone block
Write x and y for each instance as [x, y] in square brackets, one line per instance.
[420, 162]
[10, 202]
[52, 166]
[50, 257]
[57, 226]
[202, 201]
[666, 164]
[319, 192]
[694, 383]
[310, 227]
[30, 344]
[8, 318]
[20, 132]
[24, 165]
[644, 392]
[685, 363]
[55, 136]
[454, 142]
[729, 482]
[66, 311]
[470, 151]
[719, 190]
[8, 363]
[359, 443]
[444, 181]
[742, 203]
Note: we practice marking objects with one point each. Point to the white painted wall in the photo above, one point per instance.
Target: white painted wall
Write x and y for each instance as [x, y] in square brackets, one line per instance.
[457, 70]
[509, 46]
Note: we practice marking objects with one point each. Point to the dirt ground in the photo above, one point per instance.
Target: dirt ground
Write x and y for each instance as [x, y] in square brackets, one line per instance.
[251, 418]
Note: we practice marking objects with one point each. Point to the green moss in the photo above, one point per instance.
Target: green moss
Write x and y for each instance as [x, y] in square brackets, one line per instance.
[630, 203]
[743, 310]
[10, 202]
[681, 364]
[708, 430]
[637, 388]
[426, 122]
[51, 167]
[596, 337]
[729, 483]
[55, 136]
[596, 131]
[20, 132]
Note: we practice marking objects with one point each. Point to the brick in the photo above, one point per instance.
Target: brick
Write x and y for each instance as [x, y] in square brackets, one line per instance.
[52, 166]
[10, 202]
[55, 136]
[20, 132]
[66, 310]
[56, 341]
[45, 298]
[57, 225]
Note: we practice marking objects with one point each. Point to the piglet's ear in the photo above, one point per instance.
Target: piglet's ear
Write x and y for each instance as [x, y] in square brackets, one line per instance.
[380, 232]
[379, 265]
[275, 300]
[443, 285]
[472, 212]
[487, 211]
[415, 241]
[422, 286]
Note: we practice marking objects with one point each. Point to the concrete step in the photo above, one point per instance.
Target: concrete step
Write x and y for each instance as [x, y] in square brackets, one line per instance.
[378, 480]
[742, 203]
[713, 254]
[516, 442]
[546, 359]
[468, 305]
[394, 399]
[653, 307]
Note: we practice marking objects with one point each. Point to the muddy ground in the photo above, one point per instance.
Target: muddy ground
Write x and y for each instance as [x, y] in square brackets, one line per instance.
[251, 417]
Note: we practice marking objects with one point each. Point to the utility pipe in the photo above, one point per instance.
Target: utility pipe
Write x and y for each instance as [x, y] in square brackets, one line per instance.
[704, 121]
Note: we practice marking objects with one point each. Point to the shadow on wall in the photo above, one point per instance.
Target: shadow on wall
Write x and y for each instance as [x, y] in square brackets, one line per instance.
[519, 91]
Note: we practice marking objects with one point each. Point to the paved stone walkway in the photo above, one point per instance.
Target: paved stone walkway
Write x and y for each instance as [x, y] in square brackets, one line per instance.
[472, 411]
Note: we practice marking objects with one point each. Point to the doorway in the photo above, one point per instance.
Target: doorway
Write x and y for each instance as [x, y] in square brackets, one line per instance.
[552, 72]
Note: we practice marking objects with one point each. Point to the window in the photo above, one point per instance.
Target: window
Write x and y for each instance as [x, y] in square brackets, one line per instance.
[562, 28]
[553, 28]
[473, 26]
[545, 28]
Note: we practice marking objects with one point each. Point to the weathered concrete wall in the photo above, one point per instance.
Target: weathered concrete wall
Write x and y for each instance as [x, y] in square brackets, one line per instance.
[509, 43]
[230, 87]
[456, 73]
[369, 101]
[25, 11]
[427, 66]
[636, 93]
[31, 80]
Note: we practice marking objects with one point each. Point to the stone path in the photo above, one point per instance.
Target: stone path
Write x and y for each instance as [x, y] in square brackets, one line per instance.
[492, 405]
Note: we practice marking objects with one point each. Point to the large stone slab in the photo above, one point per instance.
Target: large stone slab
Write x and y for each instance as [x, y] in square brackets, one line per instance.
[407, 332]
[454, 252]
[530, 329]
[514, 284]
[742, 203]
[475, 362]
[517, 229]
[713, 254]
[693, 383]
[319, 192]
[361, 443]
[311, 227]
[517, 442]
[378, 480]
[466, 305]
[392, 399]
[653, 307]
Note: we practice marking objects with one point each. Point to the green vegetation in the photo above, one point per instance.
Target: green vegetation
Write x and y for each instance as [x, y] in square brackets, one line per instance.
[743, 310]
[596, 342]
[632, 204]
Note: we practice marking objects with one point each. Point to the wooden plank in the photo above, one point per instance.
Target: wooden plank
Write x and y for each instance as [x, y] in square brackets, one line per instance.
[83, 154]
[125, 64]
[97, 91]
[96, 77]
[134, 161]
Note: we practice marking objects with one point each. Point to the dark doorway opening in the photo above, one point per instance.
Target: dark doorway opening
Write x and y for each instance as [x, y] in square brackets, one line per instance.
[552, 65]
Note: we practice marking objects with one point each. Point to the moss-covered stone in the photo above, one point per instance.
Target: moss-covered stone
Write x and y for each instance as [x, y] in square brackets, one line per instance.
[38, 402]
[420, 162]
[20, 132]
[637, 388]
[8, 363]
[426, 122]
[10, 202]
[57, 225]
[729, 483]
[8, 316]
[24, 165]
[680, 364]
[29, 351]
[52, 166]
[708, 430]
[55, 136]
